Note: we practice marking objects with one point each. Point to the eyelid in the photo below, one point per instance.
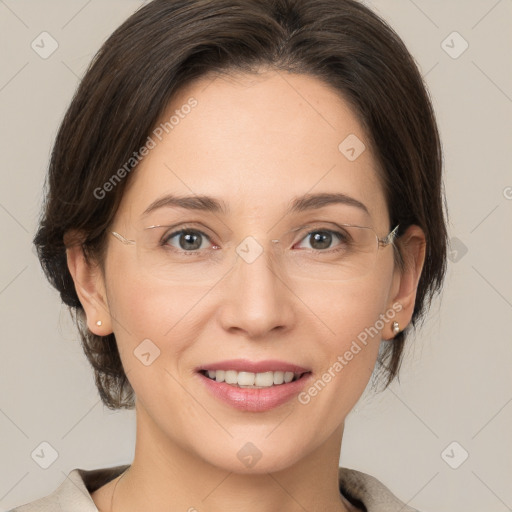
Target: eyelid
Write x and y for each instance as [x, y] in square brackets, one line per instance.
[183, 226]
[315, 223]
[321, 226]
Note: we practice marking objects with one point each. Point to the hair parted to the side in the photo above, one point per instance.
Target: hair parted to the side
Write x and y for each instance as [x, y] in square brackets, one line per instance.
[167, 44]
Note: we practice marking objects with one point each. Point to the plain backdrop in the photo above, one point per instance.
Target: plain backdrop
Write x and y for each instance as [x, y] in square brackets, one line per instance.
[440, 439]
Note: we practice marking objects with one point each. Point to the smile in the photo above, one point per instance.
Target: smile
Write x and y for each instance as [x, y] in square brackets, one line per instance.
[252, 380]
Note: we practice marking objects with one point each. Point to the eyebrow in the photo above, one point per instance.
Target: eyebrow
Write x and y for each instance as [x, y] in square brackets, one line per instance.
[196, 202]
[211, 204]
[315, 201]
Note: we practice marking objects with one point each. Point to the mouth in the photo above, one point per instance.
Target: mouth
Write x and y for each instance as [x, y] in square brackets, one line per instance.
[254, 386]
[252, 380]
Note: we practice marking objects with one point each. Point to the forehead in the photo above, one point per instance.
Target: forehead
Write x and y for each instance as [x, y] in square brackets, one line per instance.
[257, 142]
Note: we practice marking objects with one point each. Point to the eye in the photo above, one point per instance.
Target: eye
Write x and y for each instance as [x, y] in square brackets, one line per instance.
[187, 240]
[321, 239]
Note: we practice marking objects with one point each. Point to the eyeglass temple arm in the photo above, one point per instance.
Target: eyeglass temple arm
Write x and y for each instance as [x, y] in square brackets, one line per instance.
[122, 239]
[390, 237]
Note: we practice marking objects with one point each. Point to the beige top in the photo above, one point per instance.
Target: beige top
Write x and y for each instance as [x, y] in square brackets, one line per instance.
[73, 495]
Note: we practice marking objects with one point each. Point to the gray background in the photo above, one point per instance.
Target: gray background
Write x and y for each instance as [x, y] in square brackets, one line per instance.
[456, 380]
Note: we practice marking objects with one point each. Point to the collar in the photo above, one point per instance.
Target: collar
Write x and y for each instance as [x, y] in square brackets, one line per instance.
[74, 493]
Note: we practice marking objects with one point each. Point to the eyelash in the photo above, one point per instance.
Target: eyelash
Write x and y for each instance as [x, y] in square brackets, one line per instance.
[165, 239]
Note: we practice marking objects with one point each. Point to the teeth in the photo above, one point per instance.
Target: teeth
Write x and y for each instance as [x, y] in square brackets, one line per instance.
[278, 377]
[252, 380]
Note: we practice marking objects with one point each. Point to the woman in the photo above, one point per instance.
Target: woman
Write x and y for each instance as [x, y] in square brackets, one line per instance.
[245, 214]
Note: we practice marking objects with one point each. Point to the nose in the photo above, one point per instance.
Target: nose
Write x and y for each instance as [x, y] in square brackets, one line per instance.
[257, 299]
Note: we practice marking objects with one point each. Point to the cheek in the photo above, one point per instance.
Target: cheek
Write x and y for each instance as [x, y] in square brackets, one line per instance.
[153, 328]
[350, 318]
[344, 310]
[142, 305]
[144, 309]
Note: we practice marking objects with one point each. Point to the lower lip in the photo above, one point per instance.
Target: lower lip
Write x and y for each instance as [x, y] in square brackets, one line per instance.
[254, 399]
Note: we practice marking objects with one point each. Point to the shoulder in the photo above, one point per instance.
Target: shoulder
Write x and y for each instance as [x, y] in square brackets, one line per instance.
[369, 493]
[74, 493]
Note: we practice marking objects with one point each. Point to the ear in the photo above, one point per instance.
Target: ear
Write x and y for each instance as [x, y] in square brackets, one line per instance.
[90, 288]
[412, 246]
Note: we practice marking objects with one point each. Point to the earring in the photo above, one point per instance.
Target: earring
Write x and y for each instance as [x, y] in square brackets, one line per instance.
[396, 328]
[98, 323]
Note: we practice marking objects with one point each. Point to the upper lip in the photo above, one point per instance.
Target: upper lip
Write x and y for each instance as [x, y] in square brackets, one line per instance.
[244, 365]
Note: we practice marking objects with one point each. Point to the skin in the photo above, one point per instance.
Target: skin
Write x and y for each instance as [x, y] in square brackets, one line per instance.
[255, 142]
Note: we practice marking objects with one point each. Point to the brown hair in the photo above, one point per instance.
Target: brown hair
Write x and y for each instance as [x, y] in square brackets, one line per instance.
[167, 44]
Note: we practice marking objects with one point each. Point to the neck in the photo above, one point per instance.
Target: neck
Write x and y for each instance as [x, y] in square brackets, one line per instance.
[167, 476]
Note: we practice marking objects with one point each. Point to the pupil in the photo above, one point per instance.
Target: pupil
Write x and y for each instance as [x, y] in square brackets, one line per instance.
[190, 238]
[323, 238]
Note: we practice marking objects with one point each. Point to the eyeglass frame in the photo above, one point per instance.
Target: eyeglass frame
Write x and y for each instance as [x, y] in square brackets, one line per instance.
[381, 242]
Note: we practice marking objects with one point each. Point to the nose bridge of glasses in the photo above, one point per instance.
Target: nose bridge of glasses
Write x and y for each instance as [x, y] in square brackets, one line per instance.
[252, 248]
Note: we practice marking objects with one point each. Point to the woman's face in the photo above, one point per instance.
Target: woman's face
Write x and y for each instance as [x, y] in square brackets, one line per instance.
[255, 145]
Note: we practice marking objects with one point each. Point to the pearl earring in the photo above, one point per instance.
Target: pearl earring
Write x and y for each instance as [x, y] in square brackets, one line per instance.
[98, 323]
[396, 328]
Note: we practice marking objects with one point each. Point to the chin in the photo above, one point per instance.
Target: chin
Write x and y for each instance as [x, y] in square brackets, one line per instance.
[253, 454]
